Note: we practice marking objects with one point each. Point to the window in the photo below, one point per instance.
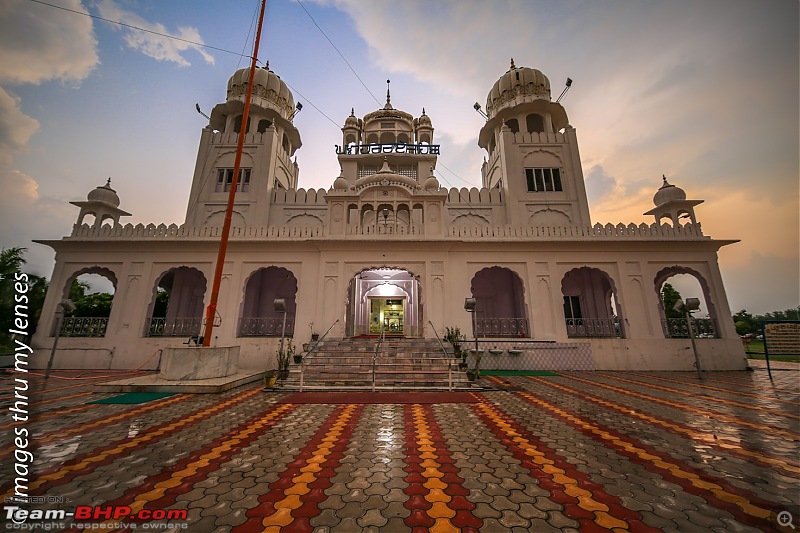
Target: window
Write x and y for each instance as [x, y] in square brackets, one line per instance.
[535, 123]
[513, 124]
[572, 307]
[543, 179]
[225, 178]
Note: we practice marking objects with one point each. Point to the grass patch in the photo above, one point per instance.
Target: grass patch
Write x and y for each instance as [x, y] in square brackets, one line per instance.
[517, 373]
[783, 358]
[135, 397]
[754, 347]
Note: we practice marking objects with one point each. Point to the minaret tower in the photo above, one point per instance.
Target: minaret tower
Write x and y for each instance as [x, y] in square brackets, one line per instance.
[266, 163]
[532, 153]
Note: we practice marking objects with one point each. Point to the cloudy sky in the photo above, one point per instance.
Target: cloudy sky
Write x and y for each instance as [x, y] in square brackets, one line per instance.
[704, 92]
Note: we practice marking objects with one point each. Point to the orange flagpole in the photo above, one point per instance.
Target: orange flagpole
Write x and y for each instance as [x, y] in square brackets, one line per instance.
[211, 310]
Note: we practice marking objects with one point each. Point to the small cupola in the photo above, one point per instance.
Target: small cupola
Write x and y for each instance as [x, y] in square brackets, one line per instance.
[670, 202]
[103, 203]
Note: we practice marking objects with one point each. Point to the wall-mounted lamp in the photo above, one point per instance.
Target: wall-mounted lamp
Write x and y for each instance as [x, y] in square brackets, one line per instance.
[297, 109]
[689, 305]
[568, 85]
[197, 106]
[477, 107]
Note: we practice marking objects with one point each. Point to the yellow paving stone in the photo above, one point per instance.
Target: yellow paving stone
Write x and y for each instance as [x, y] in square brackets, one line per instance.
[434, 483]
[306, 477]
[609, 522]
[281, 517]
[440, 510]
[591, 505]
[429, 463]
[443, 525]
[437, 495]
[576, 492]
[432, 472]
[290, 502]
[300, 489]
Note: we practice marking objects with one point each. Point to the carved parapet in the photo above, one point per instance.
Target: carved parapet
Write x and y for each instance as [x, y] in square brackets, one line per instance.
[474, 196]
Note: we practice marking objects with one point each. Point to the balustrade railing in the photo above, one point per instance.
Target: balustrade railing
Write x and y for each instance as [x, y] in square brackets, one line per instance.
[174, 327]
[678, 328]
[501, 327]
[265, 327]
[593, 327]
[80, 326]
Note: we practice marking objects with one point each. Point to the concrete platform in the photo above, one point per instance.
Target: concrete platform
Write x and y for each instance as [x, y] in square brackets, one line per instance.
[155, 383]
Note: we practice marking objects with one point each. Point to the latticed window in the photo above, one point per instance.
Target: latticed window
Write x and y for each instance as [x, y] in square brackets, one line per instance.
[543, 179]
[409, 171]
[225, 178]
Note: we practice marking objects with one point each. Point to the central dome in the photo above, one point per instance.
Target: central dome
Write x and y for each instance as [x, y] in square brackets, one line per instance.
[527, 83]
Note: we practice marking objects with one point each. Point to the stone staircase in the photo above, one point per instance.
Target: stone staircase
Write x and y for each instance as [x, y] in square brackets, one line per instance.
[401, 364]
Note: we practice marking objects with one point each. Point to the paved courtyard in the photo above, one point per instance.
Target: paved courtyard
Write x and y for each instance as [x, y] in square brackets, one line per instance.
[584, 451]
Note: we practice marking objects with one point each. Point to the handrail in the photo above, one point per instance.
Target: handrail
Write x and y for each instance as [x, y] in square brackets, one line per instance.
[308, 354]
[449, 363]
[444, 350]
[375, 353]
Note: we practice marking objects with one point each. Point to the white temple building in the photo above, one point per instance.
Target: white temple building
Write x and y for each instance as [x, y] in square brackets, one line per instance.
[387, 245]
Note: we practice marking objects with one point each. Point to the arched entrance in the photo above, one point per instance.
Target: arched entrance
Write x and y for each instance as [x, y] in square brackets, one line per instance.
[384, 297]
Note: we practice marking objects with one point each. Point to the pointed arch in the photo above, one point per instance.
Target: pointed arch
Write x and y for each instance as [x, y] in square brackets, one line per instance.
[500, 303]
[176, 305]
[257, 314]
[591, 308]
[677, 327]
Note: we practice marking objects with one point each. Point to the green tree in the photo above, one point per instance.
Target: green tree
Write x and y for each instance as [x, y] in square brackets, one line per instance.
[745, 323]
[12, 261]
[669, 296]
[96, 304]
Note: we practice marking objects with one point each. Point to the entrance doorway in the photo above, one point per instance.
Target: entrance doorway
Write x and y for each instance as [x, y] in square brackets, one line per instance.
[389, 312]
[388, 296]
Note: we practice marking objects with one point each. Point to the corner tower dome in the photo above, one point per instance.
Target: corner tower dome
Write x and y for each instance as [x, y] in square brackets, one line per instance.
[269, 90]
[517, 85]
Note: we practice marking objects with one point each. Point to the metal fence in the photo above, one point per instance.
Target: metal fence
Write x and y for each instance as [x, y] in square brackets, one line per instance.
[678, 328]
[265, 327]
[174, 327]
[501, 327]
[81, 326]
[593, 327]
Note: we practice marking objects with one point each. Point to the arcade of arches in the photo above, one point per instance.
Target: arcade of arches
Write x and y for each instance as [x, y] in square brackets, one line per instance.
[390, 300]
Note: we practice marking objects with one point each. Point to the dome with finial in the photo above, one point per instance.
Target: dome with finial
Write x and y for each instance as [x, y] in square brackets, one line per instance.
[104, 194]
[668, 193]
[269, 90]
[424, 120]
[518, 82]
[351, 121]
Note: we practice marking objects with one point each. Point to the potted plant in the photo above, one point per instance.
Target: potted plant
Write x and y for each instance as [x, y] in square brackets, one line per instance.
[314, 335]
[463, 364]
[455, 338]
[270, 376]
[297, 357]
